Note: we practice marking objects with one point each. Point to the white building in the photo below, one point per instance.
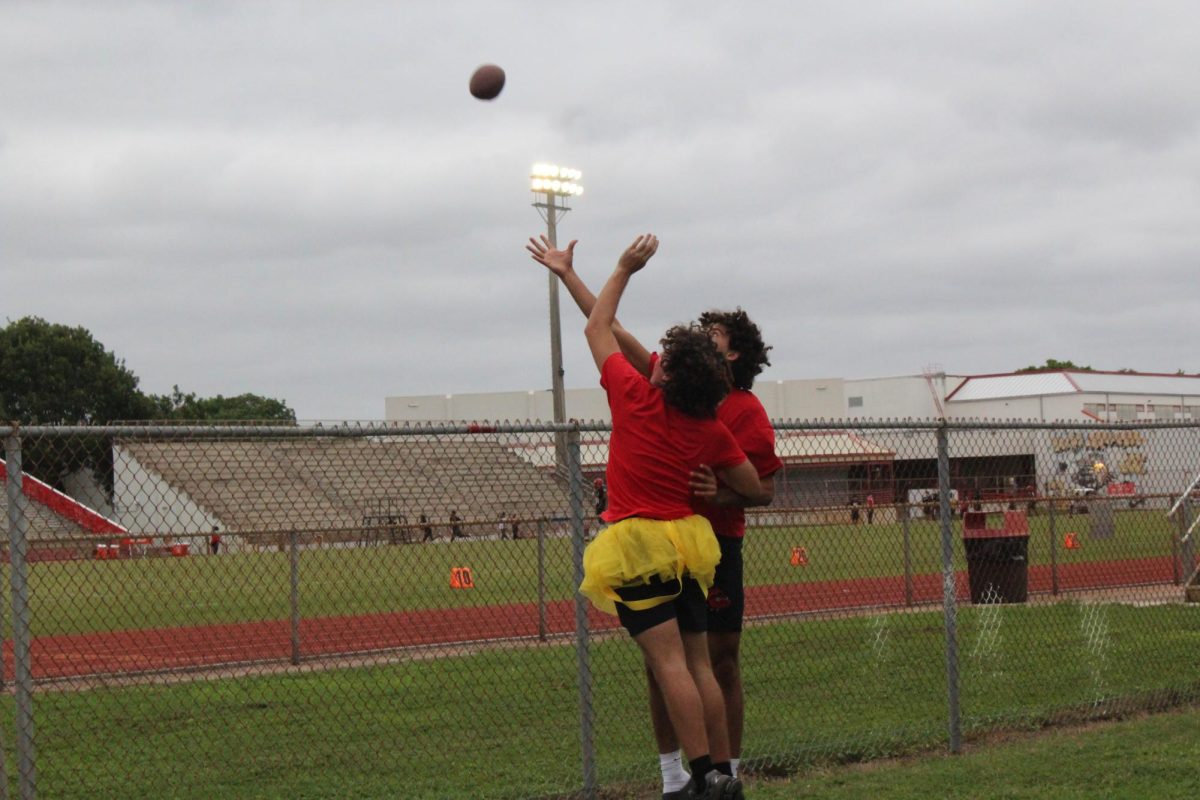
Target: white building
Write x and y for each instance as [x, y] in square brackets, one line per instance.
[895, 463]
[1068, 395]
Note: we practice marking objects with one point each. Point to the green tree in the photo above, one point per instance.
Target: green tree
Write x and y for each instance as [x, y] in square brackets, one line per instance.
[243, 407]
[57, 375]
[1053, 364]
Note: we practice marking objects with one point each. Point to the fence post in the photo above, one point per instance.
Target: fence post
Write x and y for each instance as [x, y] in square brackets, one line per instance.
[294, 598]
[541, 578]
[948, 588]
[578, 534]
[1187, 550]
[18, 531]
[1053, 550]
[908, 576]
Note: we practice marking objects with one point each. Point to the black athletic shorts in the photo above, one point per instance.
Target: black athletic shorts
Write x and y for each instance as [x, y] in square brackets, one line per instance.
[688, 608]
[727, 597]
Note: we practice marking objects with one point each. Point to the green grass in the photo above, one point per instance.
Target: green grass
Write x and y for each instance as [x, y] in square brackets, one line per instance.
[1144, 757]
[86, 596]
[504, 723]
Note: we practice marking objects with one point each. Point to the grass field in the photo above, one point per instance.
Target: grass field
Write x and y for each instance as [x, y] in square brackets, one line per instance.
[87, 596]
[504, 723]
[1134, 759]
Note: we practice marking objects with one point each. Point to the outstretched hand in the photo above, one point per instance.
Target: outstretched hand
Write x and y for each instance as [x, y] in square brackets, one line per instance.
[557, 261]
[638, 253]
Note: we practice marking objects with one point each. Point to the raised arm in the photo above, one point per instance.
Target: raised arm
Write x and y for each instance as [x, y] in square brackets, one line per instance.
[561, 263]
[599, 329]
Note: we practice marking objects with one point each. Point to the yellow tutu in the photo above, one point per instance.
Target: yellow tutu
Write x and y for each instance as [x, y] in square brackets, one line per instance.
[630, 552]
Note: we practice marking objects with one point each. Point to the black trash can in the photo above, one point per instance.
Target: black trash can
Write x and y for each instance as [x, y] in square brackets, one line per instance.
[997, 567]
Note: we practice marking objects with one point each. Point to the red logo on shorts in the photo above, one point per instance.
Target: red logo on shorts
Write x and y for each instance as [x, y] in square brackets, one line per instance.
[718, 600]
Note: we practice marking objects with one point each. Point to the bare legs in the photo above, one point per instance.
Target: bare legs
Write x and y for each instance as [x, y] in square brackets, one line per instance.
[717, 668]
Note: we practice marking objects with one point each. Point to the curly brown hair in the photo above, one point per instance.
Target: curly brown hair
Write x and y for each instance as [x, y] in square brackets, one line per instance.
[745, 339]
[696, 379]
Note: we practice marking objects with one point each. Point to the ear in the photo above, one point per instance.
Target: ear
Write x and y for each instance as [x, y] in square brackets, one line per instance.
[732, 355]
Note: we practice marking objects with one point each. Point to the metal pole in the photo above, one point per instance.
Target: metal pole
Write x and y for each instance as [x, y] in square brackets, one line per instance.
[18, 531]
[1053, 550]
[908, 575]
[948, 590]
[1176, 556]
[541, 578]
[556, 367]
[587, 746]
[3, 765]
[294, 600]
[1186, 543]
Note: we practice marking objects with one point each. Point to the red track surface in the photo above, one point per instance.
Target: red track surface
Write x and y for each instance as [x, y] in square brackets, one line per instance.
[209, 645]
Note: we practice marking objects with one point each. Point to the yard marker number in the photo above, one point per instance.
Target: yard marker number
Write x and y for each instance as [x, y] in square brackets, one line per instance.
[461, 578]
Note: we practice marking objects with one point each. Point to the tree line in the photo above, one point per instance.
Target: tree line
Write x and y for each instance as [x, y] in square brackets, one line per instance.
[54, 374]
[60, 375]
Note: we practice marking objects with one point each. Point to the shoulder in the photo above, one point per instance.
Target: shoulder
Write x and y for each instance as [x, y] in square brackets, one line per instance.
[617, 367]
[741, 406]
[620, 379]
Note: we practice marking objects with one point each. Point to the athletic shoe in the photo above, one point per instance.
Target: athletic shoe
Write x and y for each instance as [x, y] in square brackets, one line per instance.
[734, 790]
[714, 787]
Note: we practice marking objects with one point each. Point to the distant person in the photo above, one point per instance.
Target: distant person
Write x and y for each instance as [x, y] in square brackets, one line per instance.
[516, 527]
[870, 509]
[502, 526]
[456, 531]
[601, 496]
[855, 515]
[214, 541]
[426, 529]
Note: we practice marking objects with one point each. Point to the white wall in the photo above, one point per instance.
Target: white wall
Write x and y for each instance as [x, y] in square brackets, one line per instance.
[581, 404]
[82, 486]
[902, 397]
[146, 505]
[1019, 408]
[814, 398]
[818, 398]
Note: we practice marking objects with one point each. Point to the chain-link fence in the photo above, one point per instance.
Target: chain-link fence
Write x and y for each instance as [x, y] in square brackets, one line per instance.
[377, 611]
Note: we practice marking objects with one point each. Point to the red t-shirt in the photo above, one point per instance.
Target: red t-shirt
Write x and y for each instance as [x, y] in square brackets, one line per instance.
[654, 447]
[744, 415]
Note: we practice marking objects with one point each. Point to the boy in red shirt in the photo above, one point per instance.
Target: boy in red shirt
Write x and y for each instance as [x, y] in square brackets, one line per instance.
[655, 561]
[740, 342]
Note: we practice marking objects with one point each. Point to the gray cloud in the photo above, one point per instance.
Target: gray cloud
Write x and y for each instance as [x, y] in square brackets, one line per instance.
[302, 200]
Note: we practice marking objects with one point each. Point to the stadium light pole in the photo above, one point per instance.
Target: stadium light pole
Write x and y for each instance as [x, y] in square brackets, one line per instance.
[552, 187]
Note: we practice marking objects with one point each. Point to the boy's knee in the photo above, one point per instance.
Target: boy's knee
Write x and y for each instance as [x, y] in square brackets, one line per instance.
[725, 662]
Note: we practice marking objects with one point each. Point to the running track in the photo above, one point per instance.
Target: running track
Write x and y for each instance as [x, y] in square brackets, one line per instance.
[133, 651]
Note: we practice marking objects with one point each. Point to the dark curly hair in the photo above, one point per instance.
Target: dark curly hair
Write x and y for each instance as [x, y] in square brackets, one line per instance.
[745, 339]
[696, 379]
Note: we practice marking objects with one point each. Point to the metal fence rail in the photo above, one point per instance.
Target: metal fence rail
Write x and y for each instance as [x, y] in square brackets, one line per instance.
[367, 610]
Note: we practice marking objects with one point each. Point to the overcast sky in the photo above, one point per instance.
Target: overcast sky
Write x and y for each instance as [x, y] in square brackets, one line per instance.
[303, 201]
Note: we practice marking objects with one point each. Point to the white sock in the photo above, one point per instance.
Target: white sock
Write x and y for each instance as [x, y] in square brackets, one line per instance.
[674, 776]
[733, 762]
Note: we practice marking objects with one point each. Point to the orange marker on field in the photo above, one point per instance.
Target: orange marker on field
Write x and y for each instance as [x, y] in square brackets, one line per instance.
[799, 557]
[1071, 541]
[461, 578]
